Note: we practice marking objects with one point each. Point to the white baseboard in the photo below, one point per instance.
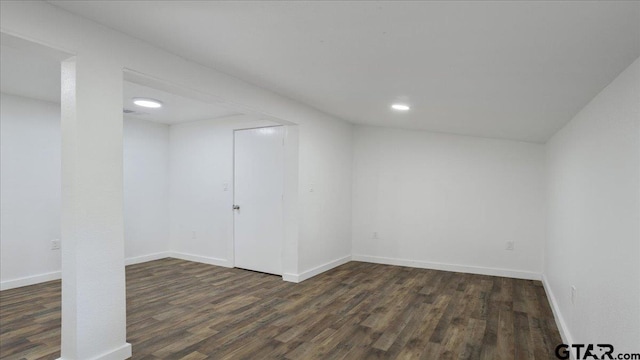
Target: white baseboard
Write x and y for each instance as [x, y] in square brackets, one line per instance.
[120, 353]
[123, 352]
[56, 275]
[145, 258]
[449, 267]
[296, 278]
[29, 280]
[201, 259]
[562, 325]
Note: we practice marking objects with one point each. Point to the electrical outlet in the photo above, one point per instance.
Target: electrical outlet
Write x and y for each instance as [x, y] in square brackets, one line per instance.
[55, 244]
[225, 187]
[311, 187]
[510, 245]
[574, 294]
[375, 235]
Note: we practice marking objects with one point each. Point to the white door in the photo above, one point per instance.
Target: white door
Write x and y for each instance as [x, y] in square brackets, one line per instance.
[258, 189]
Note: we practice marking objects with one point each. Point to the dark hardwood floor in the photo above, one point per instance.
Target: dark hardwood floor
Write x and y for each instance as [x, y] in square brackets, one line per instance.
[184, 310]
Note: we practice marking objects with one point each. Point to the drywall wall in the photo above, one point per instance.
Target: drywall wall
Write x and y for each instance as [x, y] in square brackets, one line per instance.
[30, 190]
[325, 197]
[201, 181]
[202, 193]
[593, 240]
[448, 202]
[146, 190]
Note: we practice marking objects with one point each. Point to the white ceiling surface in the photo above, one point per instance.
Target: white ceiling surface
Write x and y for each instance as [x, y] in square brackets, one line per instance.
[30, 74]
[516, 70]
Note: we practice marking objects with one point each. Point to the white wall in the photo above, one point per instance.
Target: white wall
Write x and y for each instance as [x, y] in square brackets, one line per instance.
[201, 158]
[448, 202]
[146, 189]
[201, 161]
[325, 196]
[593, 237]
[29, 190]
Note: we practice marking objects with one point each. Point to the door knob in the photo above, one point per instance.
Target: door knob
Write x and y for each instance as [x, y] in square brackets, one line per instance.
[236, 207]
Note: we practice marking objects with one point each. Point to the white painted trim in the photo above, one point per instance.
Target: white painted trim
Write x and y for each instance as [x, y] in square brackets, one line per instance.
[201, 259]
[145, 258]
[296, 278]
[122, 352]
[56, 275]
[555, 308]
[517, 274]
[30, 280]
[322, 268]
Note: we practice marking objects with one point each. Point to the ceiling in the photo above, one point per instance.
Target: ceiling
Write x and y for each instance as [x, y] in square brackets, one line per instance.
[516, 70]
[36, 75]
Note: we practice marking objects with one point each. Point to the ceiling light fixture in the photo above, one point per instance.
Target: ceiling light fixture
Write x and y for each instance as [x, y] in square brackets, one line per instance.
[148, 103]
[401, 107]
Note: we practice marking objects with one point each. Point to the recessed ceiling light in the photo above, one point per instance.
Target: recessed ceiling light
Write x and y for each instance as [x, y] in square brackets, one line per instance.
[148, 103]
[401, 107]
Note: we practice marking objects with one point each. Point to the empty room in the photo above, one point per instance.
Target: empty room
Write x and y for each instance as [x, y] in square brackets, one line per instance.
[319, 180]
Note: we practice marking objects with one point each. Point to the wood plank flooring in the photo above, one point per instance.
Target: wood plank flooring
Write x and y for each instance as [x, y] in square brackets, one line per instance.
[184, 310]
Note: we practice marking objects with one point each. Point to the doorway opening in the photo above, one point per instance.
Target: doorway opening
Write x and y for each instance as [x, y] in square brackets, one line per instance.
[218, 155]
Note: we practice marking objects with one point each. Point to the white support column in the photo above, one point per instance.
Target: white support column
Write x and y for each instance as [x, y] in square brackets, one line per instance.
[93, 279]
